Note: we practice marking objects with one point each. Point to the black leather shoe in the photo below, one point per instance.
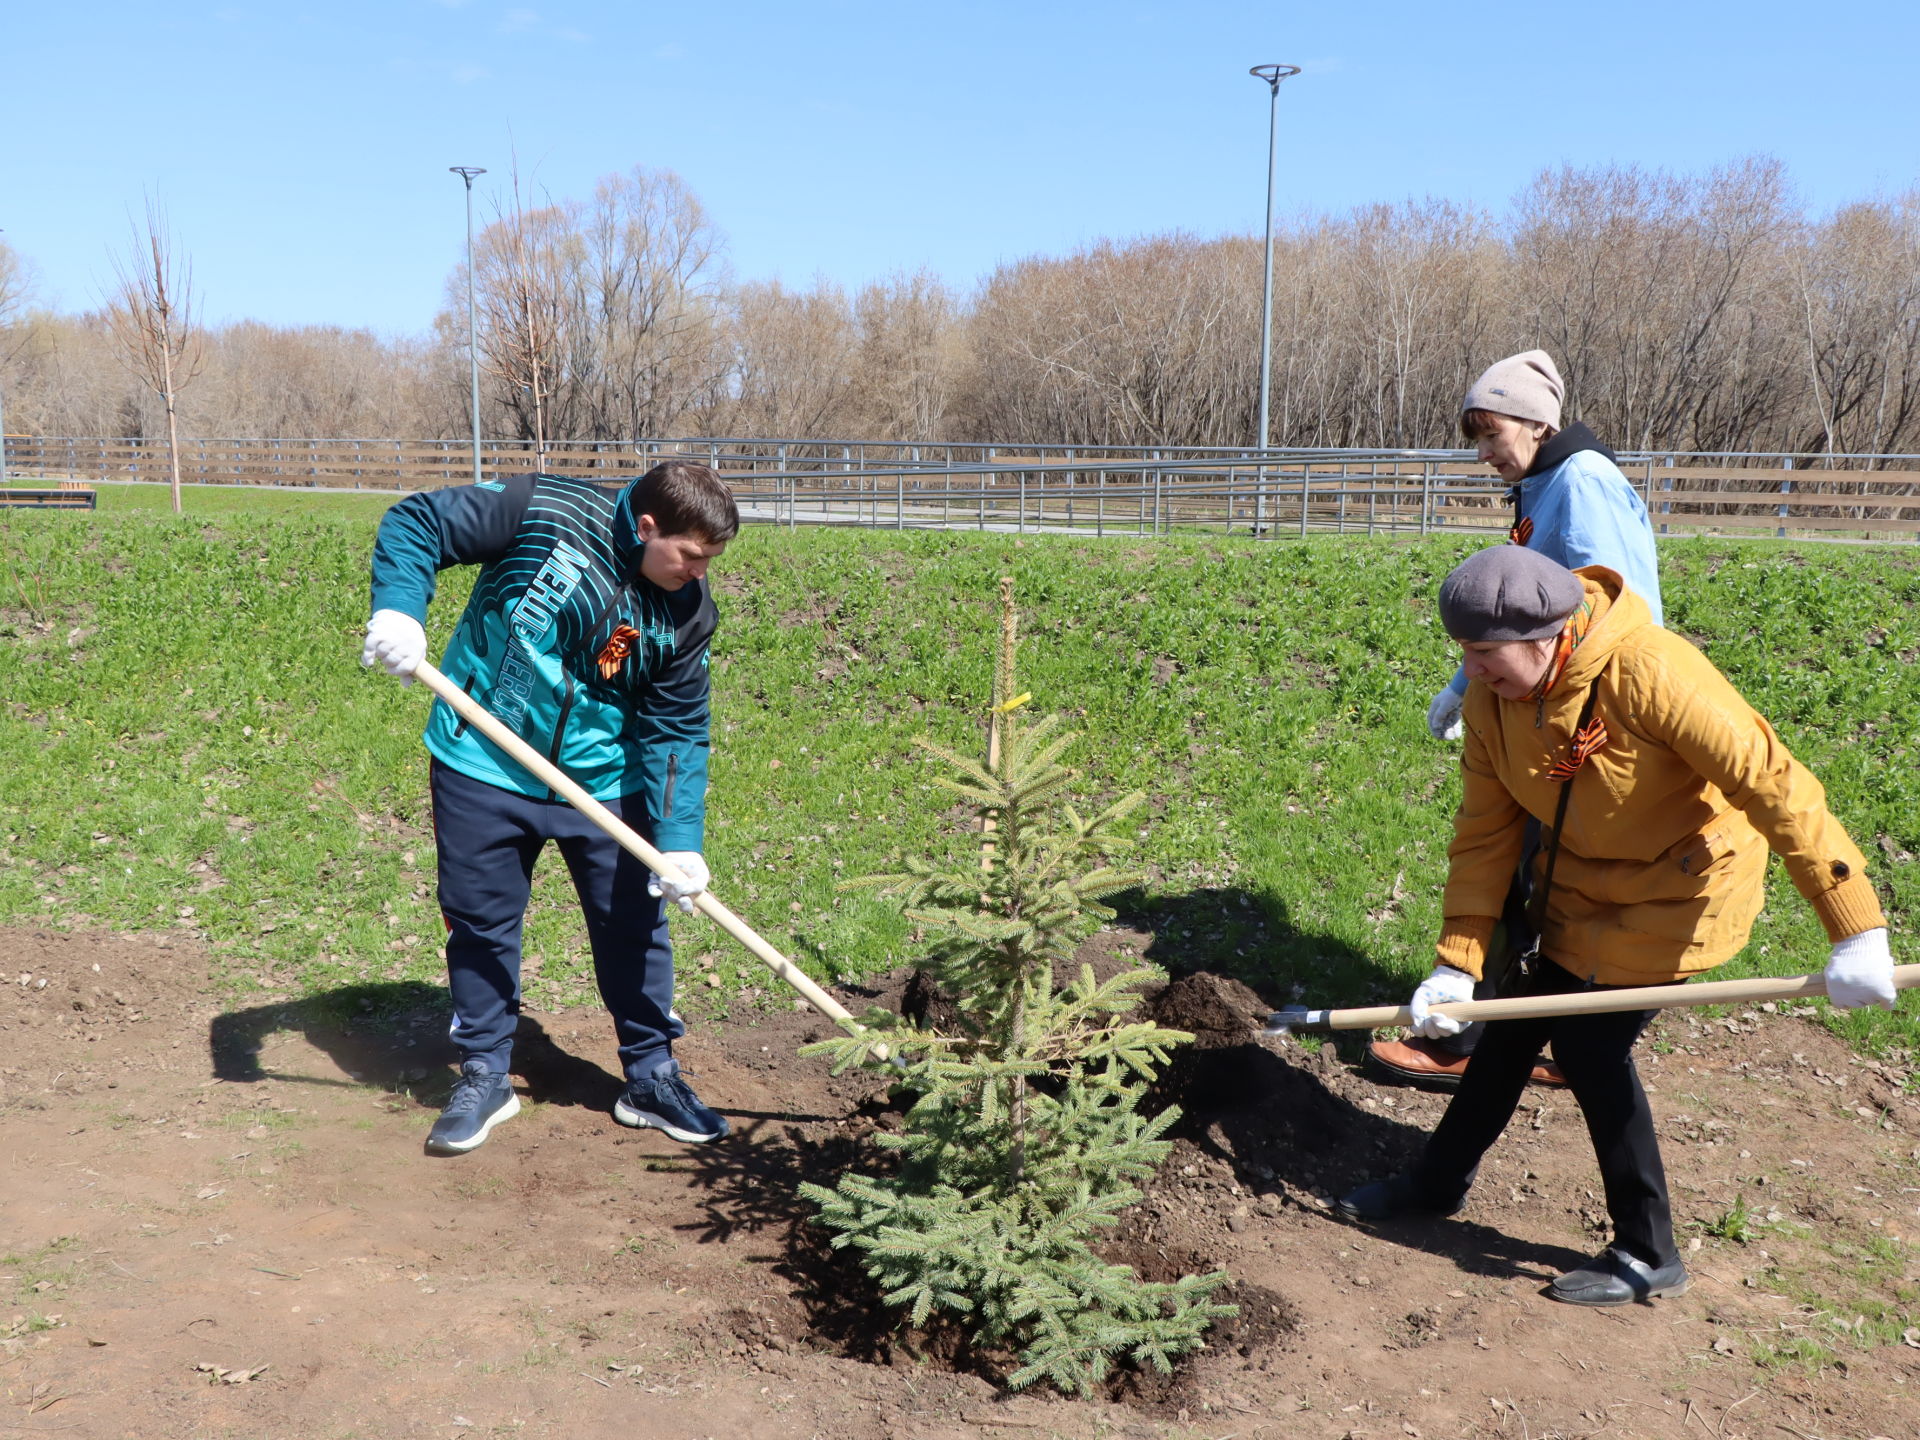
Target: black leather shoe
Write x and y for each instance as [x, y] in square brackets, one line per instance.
[1395, 1198]
[1615, 1278]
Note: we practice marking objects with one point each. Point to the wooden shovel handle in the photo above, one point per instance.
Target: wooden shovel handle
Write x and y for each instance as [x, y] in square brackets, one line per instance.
[1599, 1002]
[557, 780]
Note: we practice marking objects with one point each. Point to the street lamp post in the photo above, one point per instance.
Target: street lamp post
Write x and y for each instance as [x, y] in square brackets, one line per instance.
[466, 173]
[3, 441]
[1273, 75]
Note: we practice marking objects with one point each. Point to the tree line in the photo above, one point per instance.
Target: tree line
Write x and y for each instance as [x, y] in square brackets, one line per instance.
[1707, 311]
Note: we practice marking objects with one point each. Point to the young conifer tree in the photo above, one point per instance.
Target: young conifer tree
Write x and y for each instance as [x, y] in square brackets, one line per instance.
[1025, 1140]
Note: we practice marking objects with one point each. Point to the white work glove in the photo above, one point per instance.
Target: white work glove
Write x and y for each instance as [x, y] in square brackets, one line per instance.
[396, 641]
[1861, 972]
[1444, 986]
[689, 864]
[1443, 715]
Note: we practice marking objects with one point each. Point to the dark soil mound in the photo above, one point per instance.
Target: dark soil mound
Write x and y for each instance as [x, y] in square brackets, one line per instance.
[927, 1005]
[1275, 1112]
[1271, 1109]
[1218, 1012]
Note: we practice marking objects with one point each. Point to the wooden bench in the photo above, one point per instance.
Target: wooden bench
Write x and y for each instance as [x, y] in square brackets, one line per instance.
[67, 497]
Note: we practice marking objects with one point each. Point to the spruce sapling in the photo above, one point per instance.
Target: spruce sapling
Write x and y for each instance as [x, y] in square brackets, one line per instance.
[1025, 1139]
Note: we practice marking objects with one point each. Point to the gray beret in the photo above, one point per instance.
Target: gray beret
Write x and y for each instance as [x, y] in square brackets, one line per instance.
[1507, 592]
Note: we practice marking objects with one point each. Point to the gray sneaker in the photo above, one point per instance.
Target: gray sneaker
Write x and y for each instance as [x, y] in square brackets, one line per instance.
[481, 1099]
[665, 1101]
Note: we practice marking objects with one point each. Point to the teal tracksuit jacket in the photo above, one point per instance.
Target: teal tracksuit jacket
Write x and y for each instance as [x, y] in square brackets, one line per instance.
[559, 575]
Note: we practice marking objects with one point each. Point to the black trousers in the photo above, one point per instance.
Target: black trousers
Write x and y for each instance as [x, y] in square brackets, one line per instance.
[1595, 1052]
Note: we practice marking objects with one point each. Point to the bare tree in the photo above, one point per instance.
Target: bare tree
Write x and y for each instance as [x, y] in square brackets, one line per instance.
[909, 334]
[1117, 344]
[523, 261]
[67, 379]
[150, 313]
[16, 283]
[1859, 290]
[1422, 304]
[794, 356]
[1643, 284]
[601, 320]
[650, 293]
[316, 381]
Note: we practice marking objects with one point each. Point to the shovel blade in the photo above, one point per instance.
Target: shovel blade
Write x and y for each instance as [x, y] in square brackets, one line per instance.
[1295, 1018]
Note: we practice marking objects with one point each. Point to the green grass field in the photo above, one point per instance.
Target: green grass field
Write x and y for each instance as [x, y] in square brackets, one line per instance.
[187, 738]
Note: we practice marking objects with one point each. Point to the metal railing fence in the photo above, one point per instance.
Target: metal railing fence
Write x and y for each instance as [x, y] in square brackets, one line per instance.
[1096, 490]
[1342, 493]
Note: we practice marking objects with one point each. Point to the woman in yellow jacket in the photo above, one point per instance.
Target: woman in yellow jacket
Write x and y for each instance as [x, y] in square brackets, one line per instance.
[1679, 790]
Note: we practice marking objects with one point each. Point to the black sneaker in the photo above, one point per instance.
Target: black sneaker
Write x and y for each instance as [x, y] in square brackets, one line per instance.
[481, 1099]
[664, 1101]
[1614, 1277]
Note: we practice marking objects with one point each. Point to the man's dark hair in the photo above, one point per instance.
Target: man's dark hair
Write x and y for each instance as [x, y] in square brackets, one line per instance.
[687, 499]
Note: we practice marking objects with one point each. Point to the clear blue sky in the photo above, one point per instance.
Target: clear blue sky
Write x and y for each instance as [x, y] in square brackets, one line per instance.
[302, 150]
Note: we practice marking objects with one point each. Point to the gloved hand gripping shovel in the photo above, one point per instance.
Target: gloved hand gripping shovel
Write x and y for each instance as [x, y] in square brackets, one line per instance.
[1588, 1002]
[557, 780]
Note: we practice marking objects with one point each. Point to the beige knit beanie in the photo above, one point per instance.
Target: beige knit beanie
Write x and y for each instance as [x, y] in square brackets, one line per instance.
[1525, 386]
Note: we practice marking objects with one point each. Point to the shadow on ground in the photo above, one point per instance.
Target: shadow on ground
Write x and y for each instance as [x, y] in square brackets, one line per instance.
[394, 1034]
[1294, 1117]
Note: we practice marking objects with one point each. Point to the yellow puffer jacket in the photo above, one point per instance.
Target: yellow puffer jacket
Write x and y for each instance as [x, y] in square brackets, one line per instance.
[1665, 845]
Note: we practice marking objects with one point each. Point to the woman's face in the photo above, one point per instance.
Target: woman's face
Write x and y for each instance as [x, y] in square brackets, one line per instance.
[1509, 668]
[1509, 445]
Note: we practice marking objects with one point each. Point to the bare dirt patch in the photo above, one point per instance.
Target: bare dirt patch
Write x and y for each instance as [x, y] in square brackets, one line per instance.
[218, 1222]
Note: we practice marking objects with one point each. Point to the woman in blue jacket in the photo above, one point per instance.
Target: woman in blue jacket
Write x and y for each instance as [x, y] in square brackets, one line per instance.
[1570, 503]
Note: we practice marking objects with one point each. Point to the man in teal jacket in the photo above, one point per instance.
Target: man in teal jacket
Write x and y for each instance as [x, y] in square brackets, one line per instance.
[587, 635]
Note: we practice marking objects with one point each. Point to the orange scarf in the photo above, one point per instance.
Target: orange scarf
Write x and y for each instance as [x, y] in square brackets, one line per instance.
[1571, 634]
[1589, 738]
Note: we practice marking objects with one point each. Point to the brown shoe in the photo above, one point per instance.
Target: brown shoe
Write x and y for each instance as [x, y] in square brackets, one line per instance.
[1545, 1072]
[1415, 1061]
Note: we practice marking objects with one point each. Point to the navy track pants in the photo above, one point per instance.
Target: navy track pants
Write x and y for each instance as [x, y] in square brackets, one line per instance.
[488, 839]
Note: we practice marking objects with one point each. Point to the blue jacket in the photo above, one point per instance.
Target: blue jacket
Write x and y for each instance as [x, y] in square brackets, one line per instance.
[560, 573]
[1583, 511]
